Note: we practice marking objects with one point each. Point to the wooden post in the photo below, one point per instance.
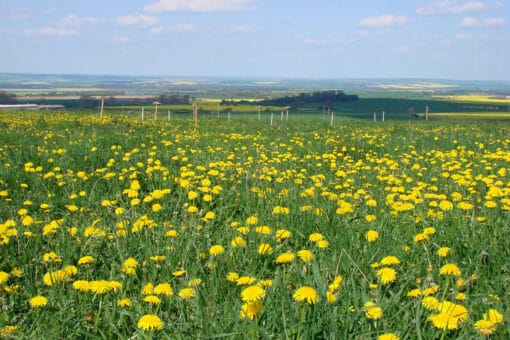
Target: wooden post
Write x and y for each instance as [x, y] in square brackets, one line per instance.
[383, 115]
[102, 106]
[229, 115]
[168, 115]
[195, 113]
[281, 118]
[427, 112]
[332, 117]
[287, 117]
[258, 107]
[272, 118]
[218, 110]
[375, 116]
[142, 113]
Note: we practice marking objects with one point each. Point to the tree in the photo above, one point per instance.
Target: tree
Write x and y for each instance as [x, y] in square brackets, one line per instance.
[7, 98]
[88, 101]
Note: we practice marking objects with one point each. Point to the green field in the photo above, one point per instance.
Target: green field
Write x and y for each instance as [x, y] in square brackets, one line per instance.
[118, 228]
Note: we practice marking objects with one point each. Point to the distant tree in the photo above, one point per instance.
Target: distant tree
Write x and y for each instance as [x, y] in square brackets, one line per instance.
[173, 99]
[301, 99]
[7, 98]
[88, 101]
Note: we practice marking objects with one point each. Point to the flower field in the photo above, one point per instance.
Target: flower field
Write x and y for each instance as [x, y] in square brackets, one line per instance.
[127, 229]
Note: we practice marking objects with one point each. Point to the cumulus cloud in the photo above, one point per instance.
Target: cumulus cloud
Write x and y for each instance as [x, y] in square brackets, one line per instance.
[469, 22]
[494, 22]
[173, 28]
[137, 20]
[199, 6]
[74, 20]
[243, 29]
[451, 7]
[383, 21]
[51, 31]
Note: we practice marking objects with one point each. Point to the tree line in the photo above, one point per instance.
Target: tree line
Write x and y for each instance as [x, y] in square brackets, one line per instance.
[302, 99]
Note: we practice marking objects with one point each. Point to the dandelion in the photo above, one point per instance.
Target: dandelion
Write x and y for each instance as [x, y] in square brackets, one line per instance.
[232, 277]
[390, 261]
[306, 294]
[485, 327]
[152, 299]
[285, 258]
[444, 251]
[430, 303]
[252, 294]
[252, 220]
[282, 234]
[315, 237]
[493, 316]
[449, 269]
[38, 301]
[387, 275]
[238, 242]
[388, 336]
[330, 297]
[99, 287]
[81, 285]
[250, 310]
[150, 322]
[3, 277]
[86, 260]
[163, 289]
[186, 293]
[372, 311]
[179, 273]
[419, 238]
[371, 235]
[216, 250]
[305, 255]
[265, 249]
[123, 303]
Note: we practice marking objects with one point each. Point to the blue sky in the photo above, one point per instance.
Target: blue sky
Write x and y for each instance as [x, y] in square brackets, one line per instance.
[455, 39]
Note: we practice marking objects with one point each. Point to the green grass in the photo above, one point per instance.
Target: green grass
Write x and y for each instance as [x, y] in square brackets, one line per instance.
[114, 189]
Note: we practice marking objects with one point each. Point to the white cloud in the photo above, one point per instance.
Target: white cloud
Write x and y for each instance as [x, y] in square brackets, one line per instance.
[51, 31]
[469, 22]
[320, 42]
[465, 36]
[74, 20]
[383, 21]
[137, 20]
[173, 28]
[451, 7]
[243, 29]
[121, 40]
[199, 6]
[494, 22]
[403, 49]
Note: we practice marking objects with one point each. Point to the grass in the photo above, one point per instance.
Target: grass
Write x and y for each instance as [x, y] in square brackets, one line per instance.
[120, 210]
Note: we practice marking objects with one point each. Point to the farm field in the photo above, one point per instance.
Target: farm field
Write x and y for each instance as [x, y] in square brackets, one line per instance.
[118, 228]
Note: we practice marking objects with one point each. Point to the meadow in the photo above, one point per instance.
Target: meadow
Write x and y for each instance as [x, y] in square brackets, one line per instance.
[118, 228]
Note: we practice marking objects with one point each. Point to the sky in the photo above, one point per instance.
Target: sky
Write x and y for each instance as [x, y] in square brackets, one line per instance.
[315, 39]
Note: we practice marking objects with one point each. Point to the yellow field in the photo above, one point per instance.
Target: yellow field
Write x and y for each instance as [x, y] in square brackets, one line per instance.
[474, 98]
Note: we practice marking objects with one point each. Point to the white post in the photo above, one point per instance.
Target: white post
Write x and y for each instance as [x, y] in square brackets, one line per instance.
[102, 106]
[259, 111]
[427, 112]
[375, 116]
[272, 118]
[168, 115]
[282, 117]
[383, 115]
[142, 113]
[332, 117]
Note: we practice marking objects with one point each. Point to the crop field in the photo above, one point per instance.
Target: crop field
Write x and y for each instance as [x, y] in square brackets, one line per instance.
[118, 228]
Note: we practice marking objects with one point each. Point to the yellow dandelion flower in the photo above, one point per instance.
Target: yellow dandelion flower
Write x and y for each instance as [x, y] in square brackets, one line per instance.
[450, 269]
[179, 273]
[238, 242]
[250, 310]
[99, 286]
[306, 294]
[163, 289]
[245, 280]
[86, 260]
[285, 258]
[263, 230]
[158, 258]
[3, 277]
[387, 275]
[390, 261]
[123, 303]
[414, 293]
[330, 297]
[232, 277]
[252, 220]
[485, 327]
[388, 336]
[38, 301]
[216, 250]
[150, 322]
[372, 311]
[315, 237]
[371, 235]
[152, 299]
[187, 293]
[419, 238]
[305, 255]
[282, 234]
[195, 282]
[252, 294]
[323, 244]
[81, 285]
[493, 316]
[431, 303]
[265, 249]
[444, 251]
[148, 289]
